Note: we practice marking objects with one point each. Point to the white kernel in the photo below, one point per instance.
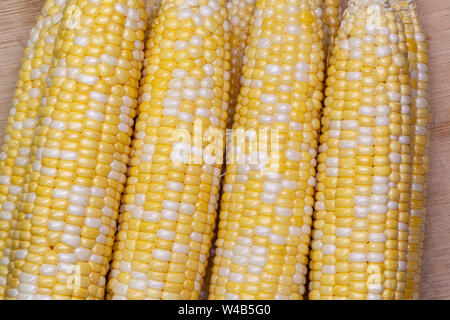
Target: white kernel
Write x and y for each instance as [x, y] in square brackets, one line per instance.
[180, 248]
[69, 155]
[206, 11]
[258, 261]
[272, 187]
[361, 212]
[277, 239]
[166, 234]
[171, 215]
[81, 41]
[347, 144]
[198, 19]
[71, 240]
[332, 162]
[109, 59]
[76, 210]
[67, 258]
[343, 232]
[417, 187]
[185, 13]
[301, 76]
[382, 121]
[83, 254]
[121, 8]
[96, 258]
[378, 209]
[26, 289]
[93, 223]
[328, 269]
[292, 155]
[376, 257]
[420, 37]
[379, 199]
[268, 98]
[236, 277]
[377, 237]
[353, 76]
[171, 205]
[195, 236]
[290, 184]
[274, 70]
[295, 231]
[366, 140]
[262, 231]
[196, 41]
[367, 111]
[383, 111]
[357, 257]
[282, 211]
[268, 198]
[263, 43]
[383, 51]
[175, 186]
[87, 79]
[395, 157]
[48, 270]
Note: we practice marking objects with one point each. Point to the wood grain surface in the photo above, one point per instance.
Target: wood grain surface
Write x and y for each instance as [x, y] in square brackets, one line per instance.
[18, 16]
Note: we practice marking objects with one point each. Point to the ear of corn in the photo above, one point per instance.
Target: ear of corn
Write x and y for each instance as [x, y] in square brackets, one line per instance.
[169, 207]
[67, 213]
[417, 55]
[266, 210]
[354, 248]
[22, 122]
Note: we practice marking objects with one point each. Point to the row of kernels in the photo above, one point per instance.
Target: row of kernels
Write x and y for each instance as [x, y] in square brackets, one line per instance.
[420, 155]
[351, 138]
[323, 263]
[214, 202]
[385, 260]
[404, 175]
[315, 105]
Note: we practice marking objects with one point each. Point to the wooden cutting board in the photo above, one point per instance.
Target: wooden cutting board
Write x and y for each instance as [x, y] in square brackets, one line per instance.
[18, 16]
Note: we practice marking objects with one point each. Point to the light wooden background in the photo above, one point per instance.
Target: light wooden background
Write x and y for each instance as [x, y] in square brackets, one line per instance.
[18, 16]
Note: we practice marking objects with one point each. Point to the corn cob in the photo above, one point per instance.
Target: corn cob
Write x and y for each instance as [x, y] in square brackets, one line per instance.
[418, 60]
[239, 14]
[266, 209]
[357, 209]
[169, 207]
[22, 122]
[67, 213]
